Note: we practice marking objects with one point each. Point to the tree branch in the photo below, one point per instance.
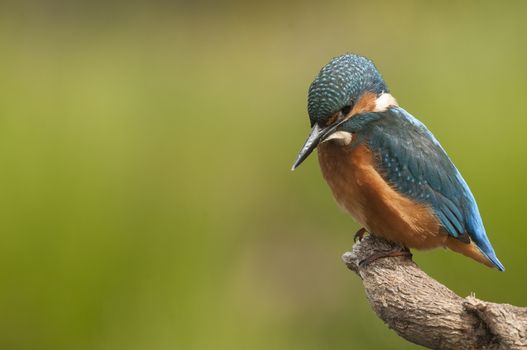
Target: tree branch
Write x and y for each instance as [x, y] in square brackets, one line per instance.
[425, 312]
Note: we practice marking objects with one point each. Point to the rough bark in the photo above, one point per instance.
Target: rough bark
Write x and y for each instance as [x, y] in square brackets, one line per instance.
[425, 312]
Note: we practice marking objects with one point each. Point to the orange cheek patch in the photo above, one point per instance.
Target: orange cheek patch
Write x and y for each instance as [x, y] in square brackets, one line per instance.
[332, 119]
[366, 103]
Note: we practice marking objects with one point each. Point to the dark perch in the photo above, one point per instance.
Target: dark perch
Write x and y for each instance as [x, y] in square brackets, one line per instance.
[425, 312]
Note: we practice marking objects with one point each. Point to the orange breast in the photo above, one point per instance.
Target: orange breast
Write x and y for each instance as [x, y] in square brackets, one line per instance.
[361, 190]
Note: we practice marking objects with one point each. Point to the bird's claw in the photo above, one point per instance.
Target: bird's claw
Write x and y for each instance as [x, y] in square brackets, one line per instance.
[359, 235]
[400, 251]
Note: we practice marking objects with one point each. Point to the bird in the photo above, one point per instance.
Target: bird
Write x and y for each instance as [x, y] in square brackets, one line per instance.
[386, 169]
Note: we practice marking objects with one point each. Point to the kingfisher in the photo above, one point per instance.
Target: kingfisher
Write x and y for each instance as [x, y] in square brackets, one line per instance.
[386, 169]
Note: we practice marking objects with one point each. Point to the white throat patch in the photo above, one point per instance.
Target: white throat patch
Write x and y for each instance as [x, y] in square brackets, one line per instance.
[342, 137]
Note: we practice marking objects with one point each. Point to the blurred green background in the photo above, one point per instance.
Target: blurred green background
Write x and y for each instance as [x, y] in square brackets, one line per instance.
[145, 148]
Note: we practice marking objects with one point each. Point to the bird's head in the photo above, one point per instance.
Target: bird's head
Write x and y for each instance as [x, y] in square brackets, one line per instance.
[348, 85]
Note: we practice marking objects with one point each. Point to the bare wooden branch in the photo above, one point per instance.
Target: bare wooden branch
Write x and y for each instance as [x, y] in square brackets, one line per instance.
[425, 312]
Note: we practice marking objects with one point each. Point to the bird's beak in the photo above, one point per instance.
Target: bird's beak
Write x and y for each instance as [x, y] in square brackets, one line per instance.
[316, 136]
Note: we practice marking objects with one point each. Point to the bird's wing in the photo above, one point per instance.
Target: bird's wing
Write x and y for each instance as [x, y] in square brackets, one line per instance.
[412, 161]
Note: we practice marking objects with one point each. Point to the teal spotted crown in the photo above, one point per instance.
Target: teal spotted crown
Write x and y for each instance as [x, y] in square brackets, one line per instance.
[340, 83]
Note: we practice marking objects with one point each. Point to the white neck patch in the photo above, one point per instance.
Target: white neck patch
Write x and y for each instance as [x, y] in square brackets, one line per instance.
[384, 101]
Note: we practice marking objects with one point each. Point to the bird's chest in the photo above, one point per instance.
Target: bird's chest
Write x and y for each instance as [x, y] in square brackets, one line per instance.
[348, 171]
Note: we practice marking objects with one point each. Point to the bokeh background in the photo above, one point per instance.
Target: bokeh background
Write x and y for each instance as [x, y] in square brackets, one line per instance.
[145, 147]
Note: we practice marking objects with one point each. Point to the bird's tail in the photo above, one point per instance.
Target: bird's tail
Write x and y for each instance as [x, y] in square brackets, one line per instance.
[473, 251]
[483, 244]
[487, 250]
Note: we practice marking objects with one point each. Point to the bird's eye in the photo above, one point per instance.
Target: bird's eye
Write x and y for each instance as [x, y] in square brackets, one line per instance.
[345, 110]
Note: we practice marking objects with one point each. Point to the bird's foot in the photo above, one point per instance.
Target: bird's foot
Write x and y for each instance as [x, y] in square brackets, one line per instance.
[359, 235]
[399, 251]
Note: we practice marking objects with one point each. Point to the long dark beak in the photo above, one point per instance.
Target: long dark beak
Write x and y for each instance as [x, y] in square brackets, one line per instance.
[316, 136]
